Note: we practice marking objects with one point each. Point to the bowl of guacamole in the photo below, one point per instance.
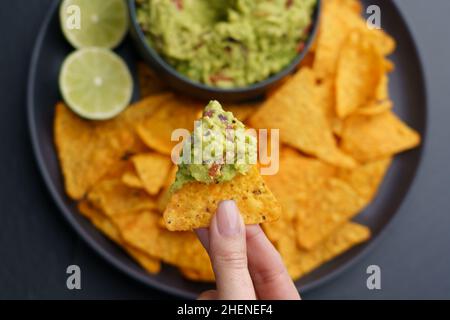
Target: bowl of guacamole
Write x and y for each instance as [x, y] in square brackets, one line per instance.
[229, 49]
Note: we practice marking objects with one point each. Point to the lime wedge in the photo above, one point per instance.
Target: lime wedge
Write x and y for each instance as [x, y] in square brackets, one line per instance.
[95, 83]
[94, 23]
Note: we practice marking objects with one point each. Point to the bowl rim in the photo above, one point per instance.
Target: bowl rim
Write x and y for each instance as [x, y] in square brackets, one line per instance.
[216, 90]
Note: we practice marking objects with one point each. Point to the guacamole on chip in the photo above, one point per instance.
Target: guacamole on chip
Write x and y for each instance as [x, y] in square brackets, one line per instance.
[218, 149]
[227, 43]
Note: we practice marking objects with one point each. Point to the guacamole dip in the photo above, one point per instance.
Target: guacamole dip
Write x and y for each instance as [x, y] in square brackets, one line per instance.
[219, 148]
[226, 43]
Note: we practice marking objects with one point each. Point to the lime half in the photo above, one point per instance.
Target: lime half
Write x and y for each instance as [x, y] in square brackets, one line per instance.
[95, 83]
[94, 23]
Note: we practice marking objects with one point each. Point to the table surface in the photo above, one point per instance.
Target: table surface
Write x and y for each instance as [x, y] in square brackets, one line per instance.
[37, 245]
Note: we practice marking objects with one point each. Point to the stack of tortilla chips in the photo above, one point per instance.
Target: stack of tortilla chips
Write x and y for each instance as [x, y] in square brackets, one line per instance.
[338, 135]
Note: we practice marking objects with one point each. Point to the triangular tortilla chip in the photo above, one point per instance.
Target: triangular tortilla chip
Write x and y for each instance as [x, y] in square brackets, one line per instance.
[130, 179]
[182, 249]
[322, 208]
[87, 150]
[359, 72]
[338, 19]
[375, 108]
[300, 261]
[366, 178]
[152, 169]
[295, 110]
[113, 197]
[105, 225]
[164, 195]
[193, 205]
[378, 136]
[296, 174]
[175, 113]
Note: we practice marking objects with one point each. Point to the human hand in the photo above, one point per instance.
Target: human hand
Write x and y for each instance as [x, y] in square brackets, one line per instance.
[246, 264]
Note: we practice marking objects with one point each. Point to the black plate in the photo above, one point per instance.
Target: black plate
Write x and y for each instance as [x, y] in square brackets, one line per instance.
[407, 91]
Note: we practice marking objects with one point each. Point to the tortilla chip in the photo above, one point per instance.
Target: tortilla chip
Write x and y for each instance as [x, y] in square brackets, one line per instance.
[194, 204]
[366, 178]
[113, 198]
[105, 225]
[373, 137]
[130, 179]
[337, 20]
[149, 82]
[87, 150]
[382, 92]
[322, 208]
[175, 113]
[164, 196]
[181, 249]
[300, 262]
[296, 174]
[375, 108]
[143, 109]
[354, 5]
[295, 110]
[152, 170]
[359, 71]
[326, 96]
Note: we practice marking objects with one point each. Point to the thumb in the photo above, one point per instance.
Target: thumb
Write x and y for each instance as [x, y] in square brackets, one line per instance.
[228, 253]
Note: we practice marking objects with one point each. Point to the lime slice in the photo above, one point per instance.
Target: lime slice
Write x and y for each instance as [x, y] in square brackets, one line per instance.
[95, 83]
[94, 23]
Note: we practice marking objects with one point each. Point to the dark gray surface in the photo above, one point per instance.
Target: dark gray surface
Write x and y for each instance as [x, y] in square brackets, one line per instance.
[36, 244]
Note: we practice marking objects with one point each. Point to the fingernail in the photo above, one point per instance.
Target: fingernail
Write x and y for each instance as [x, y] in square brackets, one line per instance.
[228, 222]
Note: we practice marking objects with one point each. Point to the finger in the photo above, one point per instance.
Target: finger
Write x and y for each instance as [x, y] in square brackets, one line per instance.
[269, 275]
[203, 236]
[227, 250]
[208, 295]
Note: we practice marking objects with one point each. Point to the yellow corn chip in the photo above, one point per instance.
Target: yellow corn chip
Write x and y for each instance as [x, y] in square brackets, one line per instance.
[326, 99]
[194, 204]
[366, 178]
[164, 196]
[113, 198]
[87, 150]
[175, 113]
[105, 225]
[130, 179]
[152, 169]
[296, 174]
[300, 262]
[375, 107]
[141, 110]
[322, 208]
[338, 19]
[382, 92]
[295, 110]
[372, 137]
[359, 72]
[354, 5]
[182, 249]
